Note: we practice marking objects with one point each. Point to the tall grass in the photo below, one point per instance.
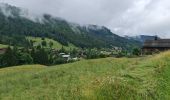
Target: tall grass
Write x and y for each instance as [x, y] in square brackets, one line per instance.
[144, 78]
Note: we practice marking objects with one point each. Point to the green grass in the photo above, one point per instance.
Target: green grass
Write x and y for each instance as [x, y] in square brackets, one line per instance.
[3, 46]
[146, 78]
[56, 45]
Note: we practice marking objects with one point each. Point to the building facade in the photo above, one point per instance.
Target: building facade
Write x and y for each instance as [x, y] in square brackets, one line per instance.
[156, 45]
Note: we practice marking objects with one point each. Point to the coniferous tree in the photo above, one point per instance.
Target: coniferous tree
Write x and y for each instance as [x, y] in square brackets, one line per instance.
[44, 43]
[51, 44]
[63, 50]
[10, 58]
[25, 58]
[41, 56]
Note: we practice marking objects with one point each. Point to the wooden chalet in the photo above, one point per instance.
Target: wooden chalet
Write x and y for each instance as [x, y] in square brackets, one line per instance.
[2, 50]
[156, 45]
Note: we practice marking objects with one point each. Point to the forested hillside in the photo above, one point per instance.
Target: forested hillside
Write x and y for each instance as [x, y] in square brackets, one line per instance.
[16, 23]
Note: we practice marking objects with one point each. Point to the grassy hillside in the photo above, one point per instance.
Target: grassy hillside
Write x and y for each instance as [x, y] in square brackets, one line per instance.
[56, 44]
[146, 78]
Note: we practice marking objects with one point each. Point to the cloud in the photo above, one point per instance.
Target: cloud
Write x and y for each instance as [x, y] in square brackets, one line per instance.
[124, 17]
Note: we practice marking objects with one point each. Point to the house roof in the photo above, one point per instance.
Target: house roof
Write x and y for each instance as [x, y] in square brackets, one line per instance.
[62, 54]
[65, 56]
[160, 43]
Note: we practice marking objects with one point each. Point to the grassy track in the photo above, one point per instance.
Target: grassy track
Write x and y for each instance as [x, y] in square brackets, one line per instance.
[146, 78]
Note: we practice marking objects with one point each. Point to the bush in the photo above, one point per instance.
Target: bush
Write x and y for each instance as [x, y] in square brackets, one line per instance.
[59, 60]
[44, 43]
[25, 58]
[136, 51]
[92, 53]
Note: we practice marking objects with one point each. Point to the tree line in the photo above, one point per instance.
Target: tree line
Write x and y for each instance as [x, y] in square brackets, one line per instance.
[41, 54]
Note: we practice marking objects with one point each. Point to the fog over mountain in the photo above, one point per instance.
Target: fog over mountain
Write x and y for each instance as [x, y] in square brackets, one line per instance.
[124, 17]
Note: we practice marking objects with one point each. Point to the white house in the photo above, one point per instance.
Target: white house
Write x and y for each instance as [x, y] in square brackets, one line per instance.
[67, 57]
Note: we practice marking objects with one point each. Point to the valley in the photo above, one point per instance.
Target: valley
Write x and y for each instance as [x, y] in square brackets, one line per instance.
[45, 57]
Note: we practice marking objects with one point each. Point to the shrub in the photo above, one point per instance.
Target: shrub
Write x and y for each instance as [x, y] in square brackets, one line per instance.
[136, 51]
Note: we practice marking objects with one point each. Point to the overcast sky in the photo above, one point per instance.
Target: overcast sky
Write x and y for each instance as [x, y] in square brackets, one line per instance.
[123, 17]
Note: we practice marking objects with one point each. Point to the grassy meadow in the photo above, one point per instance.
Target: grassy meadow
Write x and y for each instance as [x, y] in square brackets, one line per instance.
[56, 45]
[145, 78]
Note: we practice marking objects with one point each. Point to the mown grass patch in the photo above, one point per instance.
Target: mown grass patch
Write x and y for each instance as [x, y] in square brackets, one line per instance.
[3, 46]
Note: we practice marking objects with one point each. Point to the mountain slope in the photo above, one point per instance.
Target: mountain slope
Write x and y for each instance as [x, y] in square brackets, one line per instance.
[16, 22]
[142, 38]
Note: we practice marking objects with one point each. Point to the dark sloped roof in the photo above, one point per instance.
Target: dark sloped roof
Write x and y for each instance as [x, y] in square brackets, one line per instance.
[160, 43]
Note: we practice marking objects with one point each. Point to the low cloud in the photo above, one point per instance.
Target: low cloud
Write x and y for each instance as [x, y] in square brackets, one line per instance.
[123, 17]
